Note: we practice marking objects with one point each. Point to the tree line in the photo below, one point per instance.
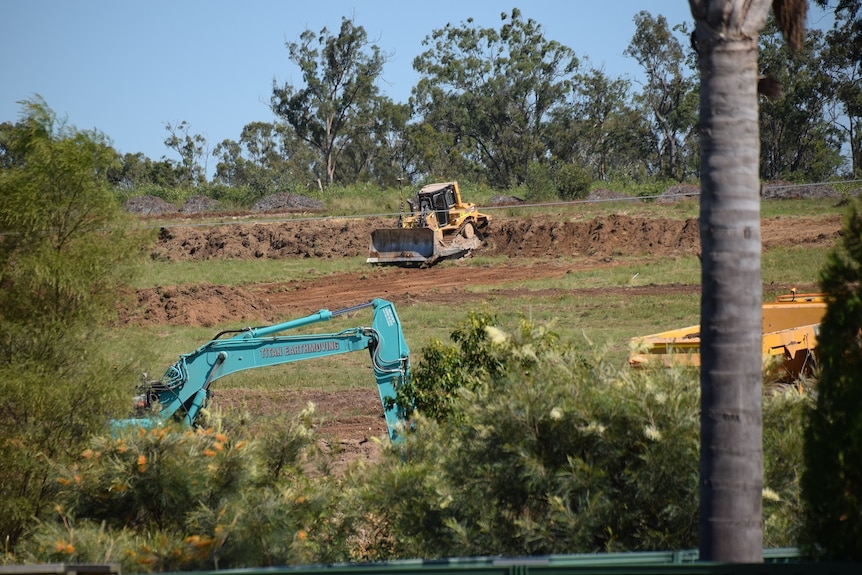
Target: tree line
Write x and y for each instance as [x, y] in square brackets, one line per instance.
[505, 106]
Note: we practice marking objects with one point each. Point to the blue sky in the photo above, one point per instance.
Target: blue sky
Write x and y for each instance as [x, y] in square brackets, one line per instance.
[128, 67]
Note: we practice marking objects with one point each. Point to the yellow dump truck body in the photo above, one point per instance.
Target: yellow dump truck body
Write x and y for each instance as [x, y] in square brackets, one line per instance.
[790, 328]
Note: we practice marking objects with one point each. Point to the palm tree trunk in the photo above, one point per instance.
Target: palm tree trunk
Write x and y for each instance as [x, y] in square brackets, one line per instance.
[731, 458]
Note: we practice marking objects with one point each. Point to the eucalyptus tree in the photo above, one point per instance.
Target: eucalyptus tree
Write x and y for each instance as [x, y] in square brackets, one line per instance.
[669, 95]
[797, 140]
[842, 61]
[491, 91]
[388, 143]
[339, 99]
[267, 158]
[731, 455]
[192, 149]
[600, 129]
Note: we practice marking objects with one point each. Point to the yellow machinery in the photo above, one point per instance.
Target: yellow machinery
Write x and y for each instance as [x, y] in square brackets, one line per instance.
[440, 225]
[790, 328]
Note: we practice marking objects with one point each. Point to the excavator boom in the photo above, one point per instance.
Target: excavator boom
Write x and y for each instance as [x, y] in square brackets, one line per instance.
[184, 390]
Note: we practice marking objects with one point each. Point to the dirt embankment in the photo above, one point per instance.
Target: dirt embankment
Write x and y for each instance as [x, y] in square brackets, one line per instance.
[536, 247]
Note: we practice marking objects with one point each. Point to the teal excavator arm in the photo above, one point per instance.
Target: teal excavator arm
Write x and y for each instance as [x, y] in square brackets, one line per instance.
[185, 388]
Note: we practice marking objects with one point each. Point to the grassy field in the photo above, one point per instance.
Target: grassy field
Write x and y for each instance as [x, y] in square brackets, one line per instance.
[607, 322]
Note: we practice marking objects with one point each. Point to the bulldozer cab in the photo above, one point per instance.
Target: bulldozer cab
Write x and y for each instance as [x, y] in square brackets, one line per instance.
[439, 201]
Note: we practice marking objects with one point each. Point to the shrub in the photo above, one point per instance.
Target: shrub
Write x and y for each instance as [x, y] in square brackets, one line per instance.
[573, 182]
[832, 482]
[172, 499]
[553, 450]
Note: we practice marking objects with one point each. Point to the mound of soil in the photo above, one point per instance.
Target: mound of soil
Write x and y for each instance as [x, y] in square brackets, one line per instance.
[282, 202]
[200, 205]
[604, 194]
[149, 206]
[338, 238]
[678, 193]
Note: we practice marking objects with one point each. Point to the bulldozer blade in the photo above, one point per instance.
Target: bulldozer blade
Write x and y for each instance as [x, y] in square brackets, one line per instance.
[400, 245]
[418, 246]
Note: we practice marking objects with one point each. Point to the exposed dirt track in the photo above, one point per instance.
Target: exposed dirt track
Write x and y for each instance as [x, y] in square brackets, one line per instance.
[534, 247]
[537, 247]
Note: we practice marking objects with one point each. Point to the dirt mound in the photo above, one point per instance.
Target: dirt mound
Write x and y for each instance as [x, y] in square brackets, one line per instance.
[282, 202]
[536, 247]
[608, 235]
[149, 206]
[789, 191]
[200, 205]
[204, 305]
[337, 238]
[603, 194]
[679, 193]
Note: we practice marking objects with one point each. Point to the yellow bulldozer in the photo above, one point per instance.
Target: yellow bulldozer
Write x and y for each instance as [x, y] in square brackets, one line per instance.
[790, 327]
[440, 225]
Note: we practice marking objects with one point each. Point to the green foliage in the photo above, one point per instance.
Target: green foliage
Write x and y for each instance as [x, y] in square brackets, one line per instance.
[558, 180]
[540, 183]
[64, 252]
[669, 99]
[548, 452]
[149, 479]
[541, 451]
[797, 142]
[336, 107]
[832, 482]
[174, 499]
[447, 369]
[573, 182]
[487, 93]
[784, 413]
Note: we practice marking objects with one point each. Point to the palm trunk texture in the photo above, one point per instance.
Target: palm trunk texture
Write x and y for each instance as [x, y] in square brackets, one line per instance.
[731, 456]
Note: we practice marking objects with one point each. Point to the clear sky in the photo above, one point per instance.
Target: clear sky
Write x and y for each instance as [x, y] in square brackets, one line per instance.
[128, 67]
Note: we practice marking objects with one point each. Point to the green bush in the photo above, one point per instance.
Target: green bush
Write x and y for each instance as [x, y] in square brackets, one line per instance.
[573, 182]
[175, 499]
[64, 251]
[551, 450]
[540, 183]
[832, 482]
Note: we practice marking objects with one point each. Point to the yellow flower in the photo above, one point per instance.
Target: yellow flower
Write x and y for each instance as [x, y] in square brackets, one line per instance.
[218, 445]
[221, 437]
[63, 481]
[209, 453]
[88, 453]
[302, 535]
[142, 463]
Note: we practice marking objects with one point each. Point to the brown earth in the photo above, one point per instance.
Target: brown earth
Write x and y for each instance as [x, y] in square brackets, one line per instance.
[534, 247]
